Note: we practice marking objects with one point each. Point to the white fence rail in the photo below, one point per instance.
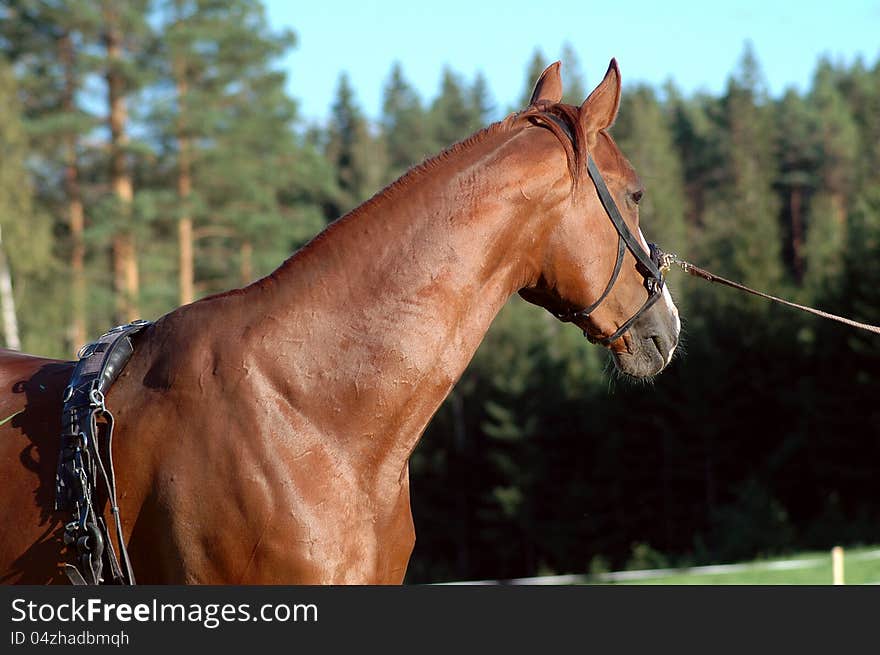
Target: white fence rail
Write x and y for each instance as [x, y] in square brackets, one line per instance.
[647, 574]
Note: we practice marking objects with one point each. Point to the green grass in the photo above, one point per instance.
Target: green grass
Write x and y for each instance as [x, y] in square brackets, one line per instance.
[861, 566]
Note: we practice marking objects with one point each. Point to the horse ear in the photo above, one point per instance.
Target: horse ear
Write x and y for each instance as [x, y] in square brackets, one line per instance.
[600, 109]
[549, 85]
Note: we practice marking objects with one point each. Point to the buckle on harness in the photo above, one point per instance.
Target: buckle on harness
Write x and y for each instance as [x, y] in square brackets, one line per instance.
[97, 399]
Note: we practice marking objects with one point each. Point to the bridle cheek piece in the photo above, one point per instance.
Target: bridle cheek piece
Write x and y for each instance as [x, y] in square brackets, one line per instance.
[650, 264]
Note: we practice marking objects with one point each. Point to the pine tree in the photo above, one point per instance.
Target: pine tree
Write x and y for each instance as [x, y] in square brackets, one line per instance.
[862, 276]
[453, 115]
[229, 130]
[837, 146]
[403, 124]
[481, 102]
[738, 236]
[860, 86]
[126, 36]
[357, 156]
[51, 45]
[798, 154]
[825, 249]
[839, 139]
[742, 219]
[31, 293]
[698, 144]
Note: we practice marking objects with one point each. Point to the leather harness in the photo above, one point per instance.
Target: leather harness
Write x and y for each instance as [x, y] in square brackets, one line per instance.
[85, 423]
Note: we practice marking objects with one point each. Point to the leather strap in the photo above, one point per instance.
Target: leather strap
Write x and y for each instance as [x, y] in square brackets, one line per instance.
[81, 461]
[622, 229]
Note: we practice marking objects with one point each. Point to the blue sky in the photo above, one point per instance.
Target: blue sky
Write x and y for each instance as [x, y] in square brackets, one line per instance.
[695, 44]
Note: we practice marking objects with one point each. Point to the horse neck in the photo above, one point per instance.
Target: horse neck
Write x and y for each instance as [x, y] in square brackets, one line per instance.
[383, 311]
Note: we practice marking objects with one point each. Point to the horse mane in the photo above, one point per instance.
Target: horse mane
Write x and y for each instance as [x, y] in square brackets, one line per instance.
[564, 125]
[571, 136]
[567, 128]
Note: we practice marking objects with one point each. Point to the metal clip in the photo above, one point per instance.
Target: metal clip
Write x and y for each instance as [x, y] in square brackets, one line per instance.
[665, 260]
[97, 399]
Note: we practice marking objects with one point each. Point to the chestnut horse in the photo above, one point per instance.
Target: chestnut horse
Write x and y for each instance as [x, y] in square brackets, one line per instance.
[263, 434]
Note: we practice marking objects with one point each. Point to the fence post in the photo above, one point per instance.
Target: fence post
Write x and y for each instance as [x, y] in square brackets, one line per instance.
[837, 564]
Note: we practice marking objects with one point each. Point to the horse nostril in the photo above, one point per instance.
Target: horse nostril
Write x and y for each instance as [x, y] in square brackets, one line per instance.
[665, 346]
[658, 344]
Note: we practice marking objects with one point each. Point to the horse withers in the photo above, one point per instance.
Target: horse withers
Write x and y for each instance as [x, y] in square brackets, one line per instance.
[263, 435]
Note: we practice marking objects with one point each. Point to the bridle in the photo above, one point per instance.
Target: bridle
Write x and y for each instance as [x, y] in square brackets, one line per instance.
[655, 263]
[651, 264]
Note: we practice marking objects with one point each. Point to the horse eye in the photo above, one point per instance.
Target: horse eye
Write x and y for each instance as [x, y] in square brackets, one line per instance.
[637, 195]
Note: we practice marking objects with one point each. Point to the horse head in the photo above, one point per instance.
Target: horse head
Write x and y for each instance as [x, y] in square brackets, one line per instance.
[596, 268]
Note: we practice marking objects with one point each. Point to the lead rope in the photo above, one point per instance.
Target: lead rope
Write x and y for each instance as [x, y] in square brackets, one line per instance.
[668, 259]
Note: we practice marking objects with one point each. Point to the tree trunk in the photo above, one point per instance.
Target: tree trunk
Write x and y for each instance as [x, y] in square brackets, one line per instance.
[186, 274]
[7, 303]
[184, 190]
[838, 207]
[246, 266]
[797, 233]
[75, 211]
[125, 267]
